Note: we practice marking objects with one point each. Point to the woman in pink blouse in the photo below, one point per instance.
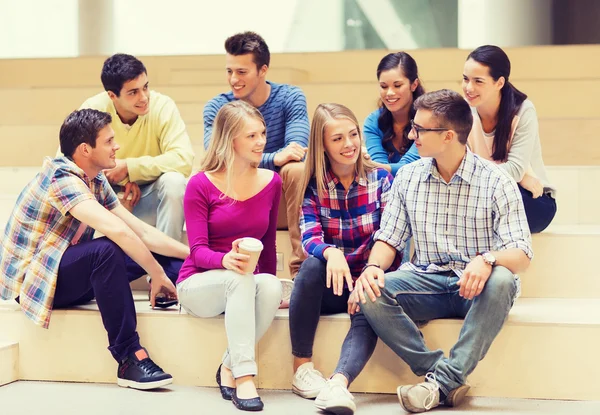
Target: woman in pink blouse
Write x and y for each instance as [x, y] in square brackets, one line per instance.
[231, 198]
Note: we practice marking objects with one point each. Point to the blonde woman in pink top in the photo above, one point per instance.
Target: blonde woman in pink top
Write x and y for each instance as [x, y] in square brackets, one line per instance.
[505, 131]
[228, 200]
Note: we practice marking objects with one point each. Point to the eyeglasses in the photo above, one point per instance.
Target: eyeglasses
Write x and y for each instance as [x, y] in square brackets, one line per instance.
[418, 129]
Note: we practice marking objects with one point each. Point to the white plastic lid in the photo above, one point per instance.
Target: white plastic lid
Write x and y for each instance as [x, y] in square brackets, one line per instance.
[251, 245]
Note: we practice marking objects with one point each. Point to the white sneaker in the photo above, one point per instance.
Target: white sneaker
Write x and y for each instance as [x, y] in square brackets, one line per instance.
[286, 292]
[336, 398]
[308, 381]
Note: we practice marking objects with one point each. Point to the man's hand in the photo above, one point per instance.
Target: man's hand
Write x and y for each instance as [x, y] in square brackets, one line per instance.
[353, 303]
[371, 280]
[161, 284]
[337, 271]
[134, 190]
[293, 152]
[474, 278]
[532, 184]
[118, 173]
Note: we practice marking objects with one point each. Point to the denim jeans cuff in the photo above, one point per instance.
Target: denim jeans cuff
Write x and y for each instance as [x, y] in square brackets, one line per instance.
[344, 373]
[301, 354]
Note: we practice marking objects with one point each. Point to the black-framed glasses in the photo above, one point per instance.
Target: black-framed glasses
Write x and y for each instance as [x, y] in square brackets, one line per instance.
[417, 129]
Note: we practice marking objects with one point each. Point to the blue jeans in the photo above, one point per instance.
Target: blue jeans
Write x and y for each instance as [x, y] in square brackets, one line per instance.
[161, 204]
[311, 298]
[410, 296]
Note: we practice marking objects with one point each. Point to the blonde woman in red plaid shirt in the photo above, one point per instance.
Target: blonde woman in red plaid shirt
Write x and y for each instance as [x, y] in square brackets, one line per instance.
[341, 209]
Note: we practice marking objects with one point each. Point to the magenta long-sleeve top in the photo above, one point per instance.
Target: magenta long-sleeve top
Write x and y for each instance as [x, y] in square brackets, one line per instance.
[214, 221]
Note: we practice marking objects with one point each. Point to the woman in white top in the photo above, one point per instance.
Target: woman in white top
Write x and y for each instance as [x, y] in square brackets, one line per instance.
[505, 130]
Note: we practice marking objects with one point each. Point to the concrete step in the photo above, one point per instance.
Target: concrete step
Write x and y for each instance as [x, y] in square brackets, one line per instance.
[571, 239]
[109, 399]
[533, 62]
[43, 106]
[9, 362]
[575, 199]
[524, 361]
[42, 140]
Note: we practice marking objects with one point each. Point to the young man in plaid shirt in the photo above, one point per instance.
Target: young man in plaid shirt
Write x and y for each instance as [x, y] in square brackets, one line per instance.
[471, 237]
[48, 258]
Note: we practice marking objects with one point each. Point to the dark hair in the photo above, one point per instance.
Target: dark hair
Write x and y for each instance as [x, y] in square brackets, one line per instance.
[511, 98]
[82, 126]
[118, 69]
[450, 110]
[385, 122]
[249, 42]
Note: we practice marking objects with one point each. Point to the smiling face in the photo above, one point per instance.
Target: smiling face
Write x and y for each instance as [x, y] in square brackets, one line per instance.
[104, 154]
[396, 90]
[478, 86]
[243, 76]
[341, 140]
[249, 143]
[133, 100]
[428, 143]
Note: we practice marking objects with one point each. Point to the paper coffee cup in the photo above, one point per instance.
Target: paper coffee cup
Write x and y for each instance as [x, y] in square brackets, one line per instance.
[252, 247]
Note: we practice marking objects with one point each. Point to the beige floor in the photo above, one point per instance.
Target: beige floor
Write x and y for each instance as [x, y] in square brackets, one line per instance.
[101, 399]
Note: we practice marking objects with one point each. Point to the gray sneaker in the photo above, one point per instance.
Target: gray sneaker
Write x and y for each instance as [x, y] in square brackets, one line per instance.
[426, 395]
[336, 398]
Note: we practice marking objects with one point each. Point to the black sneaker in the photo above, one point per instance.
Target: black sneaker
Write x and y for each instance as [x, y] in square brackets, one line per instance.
[138, 371]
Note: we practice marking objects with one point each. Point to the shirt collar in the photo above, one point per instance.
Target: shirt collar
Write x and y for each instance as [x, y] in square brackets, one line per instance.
[464, 171]
[72, 167]
[332, 181]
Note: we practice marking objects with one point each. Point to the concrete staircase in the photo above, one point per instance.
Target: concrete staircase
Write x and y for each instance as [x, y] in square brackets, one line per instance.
[549, 343]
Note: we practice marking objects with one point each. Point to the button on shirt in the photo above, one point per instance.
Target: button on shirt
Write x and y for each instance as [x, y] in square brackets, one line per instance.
[345, 219]
[41, 229]
[479, 210]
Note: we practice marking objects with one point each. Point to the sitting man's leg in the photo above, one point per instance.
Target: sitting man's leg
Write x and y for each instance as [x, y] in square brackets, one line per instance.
[409, 297]
[484, 317]
[161, 204]
[291, 176]
[97, 269]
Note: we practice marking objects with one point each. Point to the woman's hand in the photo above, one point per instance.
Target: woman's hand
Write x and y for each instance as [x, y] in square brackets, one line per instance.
[235, 261]
[532, 184]
[337, 271]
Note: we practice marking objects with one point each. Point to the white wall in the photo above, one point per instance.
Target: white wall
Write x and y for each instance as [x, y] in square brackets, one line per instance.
[38, 28]
[504, 23]
[149, 27]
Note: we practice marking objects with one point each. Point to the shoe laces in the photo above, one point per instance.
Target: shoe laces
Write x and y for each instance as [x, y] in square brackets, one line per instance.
[433, 386]
[305, 373]
[148, 366]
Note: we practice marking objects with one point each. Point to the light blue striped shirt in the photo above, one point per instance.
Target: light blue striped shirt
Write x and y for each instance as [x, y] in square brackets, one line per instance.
[284, 112]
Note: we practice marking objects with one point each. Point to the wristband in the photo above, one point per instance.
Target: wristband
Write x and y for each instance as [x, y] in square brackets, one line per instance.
[369, 265]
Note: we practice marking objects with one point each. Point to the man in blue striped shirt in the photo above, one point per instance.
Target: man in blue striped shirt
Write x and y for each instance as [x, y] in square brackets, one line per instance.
[284, 110]
[471, 236]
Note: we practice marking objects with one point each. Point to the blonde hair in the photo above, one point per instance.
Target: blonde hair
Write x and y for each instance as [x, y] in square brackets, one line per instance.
[227, 125]
[317, 163]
